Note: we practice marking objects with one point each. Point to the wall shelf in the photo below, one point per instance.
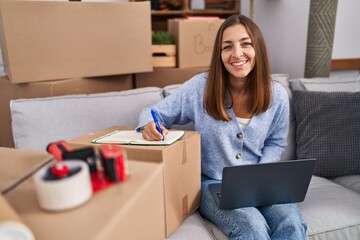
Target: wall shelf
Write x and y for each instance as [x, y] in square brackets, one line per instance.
[220, 8]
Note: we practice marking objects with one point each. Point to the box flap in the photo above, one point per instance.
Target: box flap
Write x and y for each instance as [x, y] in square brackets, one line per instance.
[18, 165]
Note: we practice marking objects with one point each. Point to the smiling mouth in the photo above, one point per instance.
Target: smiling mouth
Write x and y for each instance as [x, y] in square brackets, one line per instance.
[237, 64]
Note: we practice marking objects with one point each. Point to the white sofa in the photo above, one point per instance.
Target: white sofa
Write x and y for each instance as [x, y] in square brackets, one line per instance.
[332, 205]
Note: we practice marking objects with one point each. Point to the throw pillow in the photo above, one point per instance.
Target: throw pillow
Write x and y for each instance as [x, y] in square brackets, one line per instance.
[334, 84]
[328, 129]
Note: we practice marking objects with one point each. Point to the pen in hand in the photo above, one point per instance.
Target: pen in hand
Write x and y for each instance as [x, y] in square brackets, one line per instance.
[156, 120]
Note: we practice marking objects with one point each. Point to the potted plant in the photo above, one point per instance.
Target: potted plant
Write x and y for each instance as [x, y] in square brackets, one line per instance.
[163, 49]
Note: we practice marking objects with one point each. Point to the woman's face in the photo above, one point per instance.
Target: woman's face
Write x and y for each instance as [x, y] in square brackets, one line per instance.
[237, 52]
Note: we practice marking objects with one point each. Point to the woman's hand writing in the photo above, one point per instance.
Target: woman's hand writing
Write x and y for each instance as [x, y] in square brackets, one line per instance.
[150, 132]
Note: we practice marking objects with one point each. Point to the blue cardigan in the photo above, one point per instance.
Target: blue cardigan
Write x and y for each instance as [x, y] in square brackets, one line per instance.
[225, 143]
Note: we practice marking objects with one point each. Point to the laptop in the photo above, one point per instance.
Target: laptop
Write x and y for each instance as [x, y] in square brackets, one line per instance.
[264, 184]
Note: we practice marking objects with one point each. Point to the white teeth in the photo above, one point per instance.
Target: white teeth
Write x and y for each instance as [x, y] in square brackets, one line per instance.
[239, 63]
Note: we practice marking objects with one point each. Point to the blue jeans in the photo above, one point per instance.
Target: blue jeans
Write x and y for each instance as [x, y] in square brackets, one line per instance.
[280, 221]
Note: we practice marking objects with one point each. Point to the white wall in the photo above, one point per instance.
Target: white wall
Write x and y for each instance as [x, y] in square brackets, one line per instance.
[347, 30]
[284, 25]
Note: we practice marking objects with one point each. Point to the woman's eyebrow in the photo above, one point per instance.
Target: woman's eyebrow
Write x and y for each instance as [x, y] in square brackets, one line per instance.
[241, 39]
[245, 38]
[227, 41]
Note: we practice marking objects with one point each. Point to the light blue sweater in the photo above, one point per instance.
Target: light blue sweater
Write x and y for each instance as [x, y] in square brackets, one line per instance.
[263, 140]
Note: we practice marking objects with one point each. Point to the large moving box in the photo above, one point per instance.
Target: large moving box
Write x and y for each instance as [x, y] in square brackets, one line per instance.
[133, 209]
[181, 172]
[162, 77]
[194, 39]
[9, 91]
[46, 40]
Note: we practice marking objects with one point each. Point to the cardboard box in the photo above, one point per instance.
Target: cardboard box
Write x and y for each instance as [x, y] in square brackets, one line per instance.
[164, 55]
[9, 91]
[162, 77]
[46, 40]
[180, 162]
[194, 39]
[18, 165]
[8, 213]
[133, 209]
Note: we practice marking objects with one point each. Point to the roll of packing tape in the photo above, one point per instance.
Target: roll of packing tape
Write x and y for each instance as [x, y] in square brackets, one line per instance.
[64, 193]
[11, 225]
[10, 230]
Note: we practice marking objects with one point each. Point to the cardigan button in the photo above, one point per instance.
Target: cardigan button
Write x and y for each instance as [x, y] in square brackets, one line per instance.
[238, 156]
[239, 135]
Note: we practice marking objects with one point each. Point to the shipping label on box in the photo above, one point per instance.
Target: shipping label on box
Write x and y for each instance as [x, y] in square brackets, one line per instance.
[181, 164]
[194, 39]
[47, 40]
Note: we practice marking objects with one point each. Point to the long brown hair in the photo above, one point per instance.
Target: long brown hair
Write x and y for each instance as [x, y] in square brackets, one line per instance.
[258, 81]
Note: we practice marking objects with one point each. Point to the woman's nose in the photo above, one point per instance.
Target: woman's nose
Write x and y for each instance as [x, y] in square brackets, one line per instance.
[238, 52]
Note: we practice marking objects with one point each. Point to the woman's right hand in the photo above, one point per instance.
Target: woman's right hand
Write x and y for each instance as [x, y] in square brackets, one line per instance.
[150, 132]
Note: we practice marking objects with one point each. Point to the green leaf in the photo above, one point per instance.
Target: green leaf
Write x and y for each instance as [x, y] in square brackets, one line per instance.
[162, 38]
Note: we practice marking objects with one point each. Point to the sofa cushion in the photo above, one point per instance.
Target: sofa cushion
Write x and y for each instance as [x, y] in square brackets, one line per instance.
[193, 227]
[37, 122]
[328, 129]
[330, 211]
[351, 182]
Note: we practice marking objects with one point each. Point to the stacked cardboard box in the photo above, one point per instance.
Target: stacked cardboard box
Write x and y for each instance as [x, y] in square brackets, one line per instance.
[133, 209]
[162, 77]
[181, 169]
[194, 39]
[56, 40]
[44, 42]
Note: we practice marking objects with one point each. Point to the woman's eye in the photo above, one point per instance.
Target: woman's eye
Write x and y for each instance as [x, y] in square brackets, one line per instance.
[246, 44]
[226, 47]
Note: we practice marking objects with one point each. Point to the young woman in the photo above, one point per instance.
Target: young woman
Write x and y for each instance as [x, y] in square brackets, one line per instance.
[243, 118]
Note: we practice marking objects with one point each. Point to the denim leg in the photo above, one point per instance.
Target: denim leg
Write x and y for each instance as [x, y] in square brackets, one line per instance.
[285, 221]
[242, 223]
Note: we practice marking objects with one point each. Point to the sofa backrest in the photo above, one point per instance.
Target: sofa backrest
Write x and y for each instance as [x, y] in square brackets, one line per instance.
[39, 121]
[290, 151]
[343, 84]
